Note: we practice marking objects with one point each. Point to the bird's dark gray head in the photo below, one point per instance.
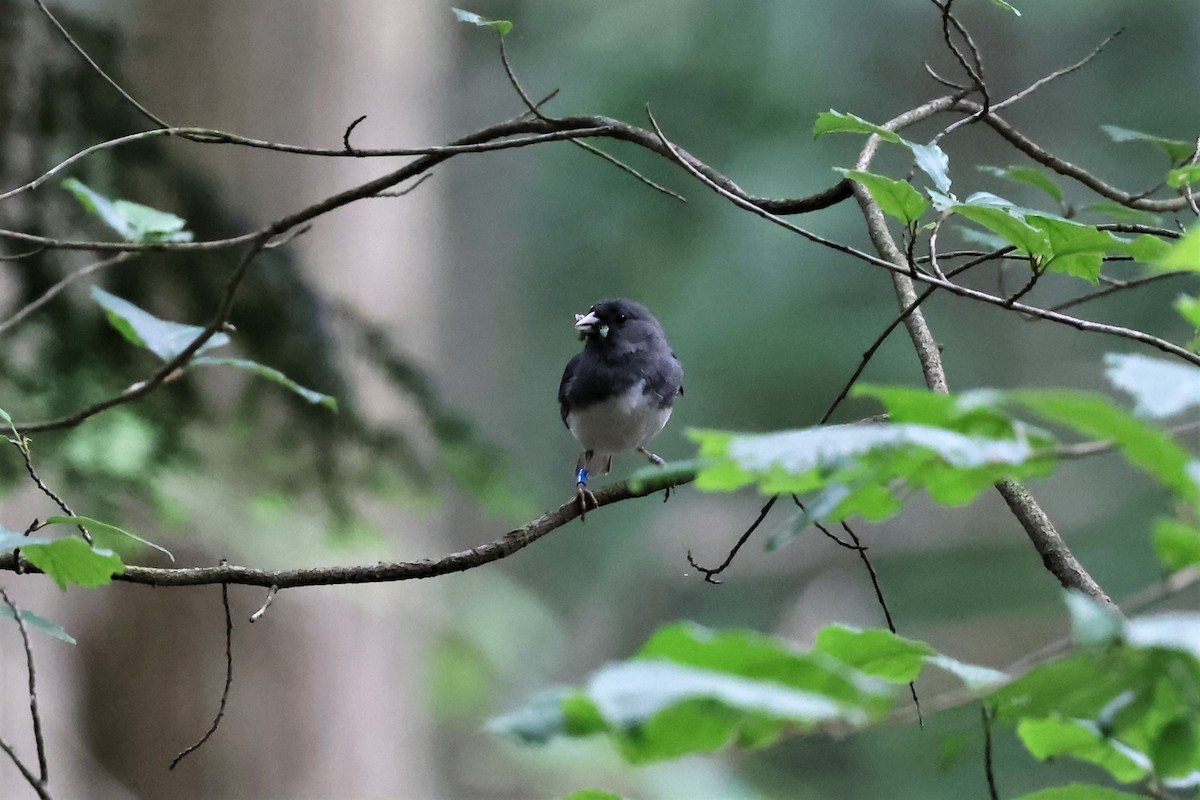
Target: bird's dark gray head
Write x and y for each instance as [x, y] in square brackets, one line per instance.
[617, 326]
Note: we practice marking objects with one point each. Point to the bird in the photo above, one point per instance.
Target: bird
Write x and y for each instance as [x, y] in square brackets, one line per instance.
[618, 392]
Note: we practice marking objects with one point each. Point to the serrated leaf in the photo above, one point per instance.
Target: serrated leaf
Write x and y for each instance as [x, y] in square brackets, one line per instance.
[39, 623]
[72, 560]
[1028, 176]
[1183, 176]
[897, 198]
[97, 526]
[1176, 149]
[165, 339]
[501, 26]
[839, 122]
[271, 374]
[132, 221]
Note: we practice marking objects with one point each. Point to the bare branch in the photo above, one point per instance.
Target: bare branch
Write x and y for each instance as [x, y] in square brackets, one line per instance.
[50, 293]
[511, 542]
[228, 680]
[711, 572]
[75, 46]
[39, 741]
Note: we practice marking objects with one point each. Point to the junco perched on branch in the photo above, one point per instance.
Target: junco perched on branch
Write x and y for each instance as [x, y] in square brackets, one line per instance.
[617, 394]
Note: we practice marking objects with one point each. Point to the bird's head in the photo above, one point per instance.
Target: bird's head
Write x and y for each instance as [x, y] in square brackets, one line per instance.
[617, 326]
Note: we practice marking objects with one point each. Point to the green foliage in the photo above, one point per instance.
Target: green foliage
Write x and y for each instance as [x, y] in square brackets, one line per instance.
[1184, 255]
[929, 158]
[1027, 175]
[592, 794]
[1053, 242]
[690, 689]
[72, 560]
[165, 339]
[39, 623]
[168, 339]
[132, 221]
[897, 198]
[1183, 176]
[501, 26]
[95, 526]
[1176, 149]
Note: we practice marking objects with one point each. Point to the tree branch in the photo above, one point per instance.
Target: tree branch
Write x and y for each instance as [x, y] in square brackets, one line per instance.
[511, 542]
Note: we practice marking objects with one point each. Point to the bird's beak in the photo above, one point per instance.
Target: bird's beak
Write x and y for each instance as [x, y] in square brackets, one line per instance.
[586, 323]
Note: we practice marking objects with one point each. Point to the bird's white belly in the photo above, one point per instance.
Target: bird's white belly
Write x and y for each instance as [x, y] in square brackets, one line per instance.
[625, 422]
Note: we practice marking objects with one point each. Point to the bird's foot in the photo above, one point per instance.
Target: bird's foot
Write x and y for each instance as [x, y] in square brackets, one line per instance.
[583, 495]
[657, 461]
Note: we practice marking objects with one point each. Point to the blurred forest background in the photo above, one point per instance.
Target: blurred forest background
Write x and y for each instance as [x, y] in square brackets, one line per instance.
[442, 321]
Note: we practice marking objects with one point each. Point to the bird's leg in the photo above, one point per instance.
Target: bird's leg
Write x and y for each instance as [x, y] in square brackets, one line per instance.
[583, 495]
[657, 461]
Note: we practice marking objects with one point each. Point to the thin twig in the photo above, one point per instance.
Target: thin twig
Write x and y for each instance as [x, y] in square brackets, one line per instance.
[50, 293]
[709, 572]
[22, 444]
[987, 753]
[39, 741]
[30, 778]
[257, 615]
[1116, 287]
[346, 135]
[535, 111]
[228, 679]
[887, 614]
[75, 45]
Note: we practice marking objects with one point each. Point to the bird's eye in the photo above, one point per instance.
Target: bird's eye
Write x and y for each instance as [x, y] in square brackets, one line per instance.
[620, 319]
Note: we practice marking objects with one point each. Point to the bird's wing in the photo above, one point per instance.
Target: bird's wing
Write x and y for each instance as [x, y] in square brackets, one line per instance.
[564, 388]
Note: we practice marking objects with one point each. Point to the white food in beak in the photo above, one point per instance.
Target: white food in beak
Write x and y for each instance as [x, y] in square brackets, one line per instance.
[586, 322]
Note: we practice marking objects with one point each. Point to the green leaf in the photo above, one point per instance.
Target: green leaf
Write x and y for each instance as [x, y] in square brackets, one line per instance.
[1081, 739]
[1027, 175]
[501, 26]
[39, 623]
[72, 560]
[1000, 221]
[165, 339]
[1124, 213]
[1174, 753]
[934, 162]
[96, 526]
[1080, 791]
[1176, 543]
[132, 221]
[1176, 149]
[876, 652]
[839, 122]
[1183, 176]
[1184, 255]
[1189, 308]
[271, 374]
[1097, 417]
[897, 198]
[591, 794]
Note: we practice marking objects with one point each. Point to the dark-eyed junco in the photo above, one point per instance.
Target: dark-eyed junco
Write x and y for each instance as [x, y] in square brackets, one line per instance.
[617, 394]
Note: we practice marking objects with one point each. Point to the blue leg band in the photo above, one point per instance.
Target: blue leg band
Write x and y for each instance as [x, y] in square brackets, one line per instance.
[582, 476]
